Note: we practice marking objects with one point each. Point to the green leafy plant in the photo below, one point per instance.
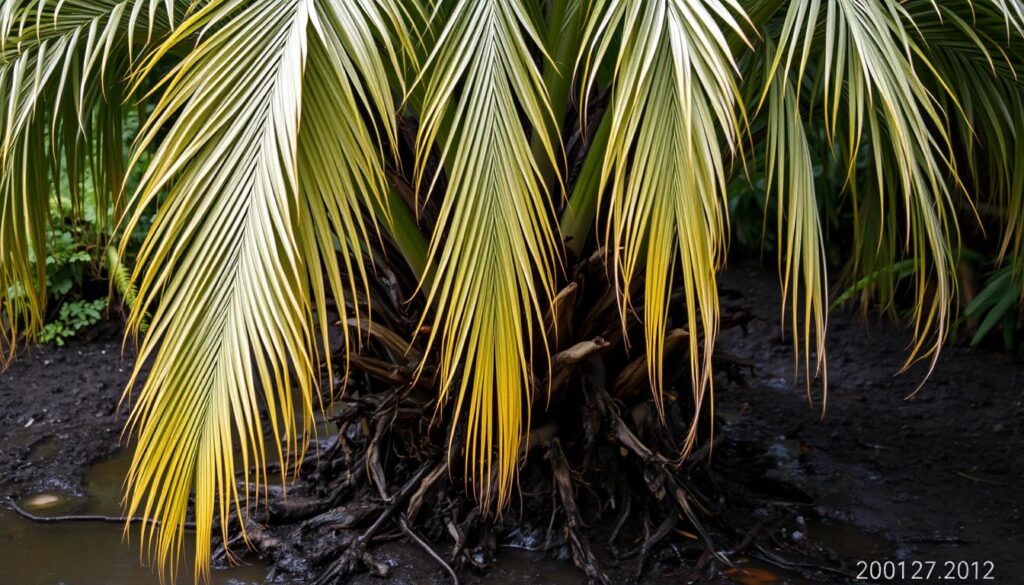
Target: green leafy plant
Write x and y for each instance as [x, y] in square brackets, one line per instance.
[66, 264]
[73, 317]
[997, 307]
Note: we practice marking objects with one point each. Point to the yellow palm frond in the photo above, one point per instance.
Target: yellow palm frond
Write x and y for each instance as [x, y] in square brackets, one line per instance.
[802, 263]
[267, 158]
[674, 115]
[494, 248]
[968, 46]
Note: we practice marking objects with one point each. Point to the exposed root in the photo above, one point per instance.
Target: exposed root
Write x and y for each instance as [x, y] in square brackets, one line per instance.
[580, 545]
[404, 525]
[356, 553]
[598, 469]
[658, 471]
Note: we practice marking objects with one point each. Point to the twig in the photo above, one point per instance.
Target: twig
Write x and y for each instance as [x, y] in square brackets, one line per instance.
[356, 551]
[85, 517]
[651, 541]
[769, 556]
[579, 545]
[621, 521]
[426, 547]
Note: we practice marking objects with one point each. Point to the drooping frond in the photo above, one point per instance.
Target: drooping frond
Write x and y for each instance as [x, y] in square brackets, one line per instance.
[1012, 12]
[872, 85]
[802, 264]
[967, 45]
[1010, 187]
[62, 66]
[268, 155]
[24, 204]
[674, 117]
[340, 156]
[494, 247]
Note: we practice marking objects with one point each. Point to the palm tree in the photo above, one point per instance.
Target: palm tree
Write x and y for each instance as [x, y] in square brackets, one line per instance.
[481, 149]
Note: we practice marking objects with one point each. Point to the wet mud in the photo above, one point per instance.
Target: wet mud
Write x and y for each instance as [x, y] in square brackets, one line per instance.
[938, 477]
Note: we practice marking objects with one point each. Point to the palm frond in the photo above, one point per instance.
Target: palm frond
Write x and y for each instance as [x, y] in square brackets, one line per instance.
[802, 263]
[868, 72]
[1012, 12]
[982, 66]
[62, 66]
[674, 111]
[494, 248]
[257, 173]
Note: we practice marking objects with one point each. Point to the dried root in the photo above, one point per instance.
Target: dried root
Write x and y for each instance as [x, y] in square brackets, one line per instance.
[598, 482]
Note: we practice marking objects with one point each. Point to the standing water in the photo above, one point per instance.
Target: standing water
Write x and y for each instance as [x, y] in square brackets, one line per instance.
[88, 553]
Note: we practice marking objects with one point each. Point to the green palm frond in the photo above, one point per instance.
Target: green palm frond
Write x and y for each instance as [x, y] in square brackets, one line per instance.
[868, 74]
[674, 112]
[258, 172]
[61, 73]
[494, 248]
[802, 264]
[1010, 193]
[1012, 12]
[968, 47]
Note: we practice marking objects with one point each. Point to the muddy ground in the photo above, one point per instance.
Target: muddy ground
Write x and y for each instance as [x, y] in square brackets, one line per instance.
[939, 477]
[59, 413]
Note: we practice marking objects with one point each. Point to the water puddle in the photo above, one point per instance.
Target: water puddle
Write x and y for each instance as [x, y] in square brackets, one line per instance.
[88, 553]
[104, 482]
[44, 449]
[22, 437]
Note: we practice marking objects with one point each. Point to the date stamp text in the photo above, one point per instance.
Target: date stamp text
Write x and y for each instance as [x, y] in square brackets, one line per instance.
[961, 572]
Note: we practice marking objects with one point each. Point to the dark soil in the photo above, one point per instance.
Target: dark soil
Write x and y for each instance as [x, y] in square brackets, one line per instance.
[59, 413]
[939, 474]
[938, 477]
